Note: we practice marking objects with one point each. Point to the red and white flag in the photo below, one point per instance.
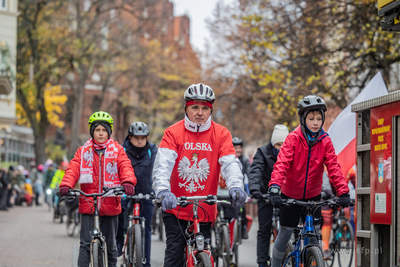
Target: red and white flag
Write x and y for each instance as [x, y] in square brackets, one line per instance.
[343, 129]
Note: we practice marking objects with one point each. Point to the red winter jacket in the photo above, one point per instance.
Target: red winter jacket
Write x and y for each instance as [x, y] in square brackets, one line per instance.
[299, 173]
[110, 206]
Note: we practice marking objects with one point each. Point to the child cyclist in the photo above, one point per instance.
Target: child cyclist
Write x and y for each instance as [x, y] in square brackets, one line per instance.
[299, 168]
[100, 162]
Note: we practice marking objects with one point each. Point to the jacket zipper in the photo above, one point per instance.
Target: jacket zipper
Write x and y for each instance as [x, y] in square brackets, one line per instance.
[101, 153]
[308, 164]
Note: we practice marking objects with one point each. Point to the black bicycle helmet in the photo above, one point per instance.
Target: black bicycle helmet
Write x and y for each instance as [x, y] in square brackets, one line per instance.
[237, 141]
[308, 103]
[199, 92]
[138, 128]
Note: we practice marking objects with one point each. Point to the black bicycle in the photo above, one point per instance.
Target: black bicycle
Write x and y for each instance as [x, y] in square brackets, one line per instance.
[341, 245]
[220, 239]
[157, 224]
[98, 246]
[73, 216]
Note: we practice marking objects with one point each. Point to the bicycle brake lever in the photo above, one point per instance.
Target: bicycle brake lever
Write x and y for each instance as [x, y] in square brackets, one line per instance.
[185, 204]
[210, 202]
[157, 202]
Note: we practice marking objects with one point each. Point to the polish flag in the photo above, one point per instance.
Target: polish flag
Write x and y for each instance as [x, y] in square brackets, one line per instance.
[343, 129]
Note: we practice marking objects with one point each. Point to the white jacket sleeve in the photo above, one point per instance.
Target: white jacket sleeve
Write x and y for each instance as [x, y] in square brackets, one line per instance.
[231, 170]
[162, 170]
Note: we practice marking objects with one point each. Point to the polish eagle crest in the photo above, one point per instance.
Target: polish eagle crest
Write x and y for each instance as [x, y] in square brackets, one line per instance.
[193, 174]
[111, 169]
[88, 156]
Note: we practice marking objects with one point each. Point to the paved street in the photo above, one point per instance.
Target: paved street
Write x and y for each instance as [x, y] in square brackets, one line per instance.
[28, 237]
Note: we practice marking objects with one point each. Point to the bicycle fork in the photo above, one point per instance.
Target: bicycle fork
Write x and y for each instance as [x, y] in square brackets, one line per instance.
[97, 237]
[142, 222]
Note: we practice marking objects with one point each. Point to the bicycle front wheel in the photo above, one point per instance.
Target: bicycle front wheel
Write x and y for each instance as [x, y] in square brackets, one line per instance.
[225, 246]
[137, 246]
[345, 245]
[314, 257]
[97, 255]
[71, 223]
[203, 260]
[235, 251]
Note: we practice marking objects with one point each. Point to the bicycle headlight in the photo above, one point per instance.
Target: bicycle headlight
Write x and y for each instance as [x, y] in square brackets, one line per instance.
[48, 191]
[200, 242]
[95, 232]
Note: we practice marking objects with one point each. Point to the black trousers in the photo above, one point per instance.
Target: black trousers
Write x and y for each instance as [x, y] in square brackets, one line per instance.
[176, 241]
[108, 227]
[265, 213]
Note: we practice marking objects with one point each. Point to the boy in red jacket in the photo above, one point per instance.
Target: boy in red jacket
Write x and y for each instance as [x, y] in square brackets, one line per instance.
[100, 162]
[299, 168]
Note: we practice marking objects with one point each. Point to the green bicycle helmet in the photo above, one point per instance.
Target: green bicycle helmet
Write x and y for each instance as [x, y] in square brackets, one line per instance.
[101, 116]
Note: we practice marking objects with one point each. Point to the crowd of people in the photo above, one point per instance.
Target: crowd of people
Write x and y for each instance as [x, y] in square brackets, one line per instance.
[196, 156]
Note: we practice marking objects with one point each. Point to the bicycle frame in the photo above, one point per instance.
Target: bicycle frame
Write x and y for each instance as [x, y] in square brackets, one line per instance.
[96, 234]
[307, 231]
[196, 245]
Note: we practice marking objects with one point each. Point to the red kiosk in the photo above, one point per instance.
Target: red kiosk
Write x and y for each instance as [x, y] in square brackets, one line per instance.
[378, 181]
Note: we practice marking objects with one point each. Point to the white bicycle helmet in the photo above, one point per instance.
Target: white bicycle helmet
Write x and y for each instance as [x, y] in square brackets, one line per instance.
[199, 92]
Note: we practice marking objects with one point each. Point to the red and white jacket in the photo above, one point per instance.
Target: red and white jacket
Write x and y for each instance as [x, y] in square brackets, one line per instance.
[298, 171]
[109, 206]
[189, 160]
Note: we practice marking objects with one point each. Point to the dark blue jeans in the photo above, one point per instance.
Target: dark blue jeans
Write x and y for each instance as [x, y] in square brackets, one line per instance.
[108, 227]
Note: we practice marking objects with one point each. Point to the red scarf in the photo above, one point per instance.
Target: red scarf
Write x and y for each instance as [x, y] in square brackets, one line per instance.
[110, 171]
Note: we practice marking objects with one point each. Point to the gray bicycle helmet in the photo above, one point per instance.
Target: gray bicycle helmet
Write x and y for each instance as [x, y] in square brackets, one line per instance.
[237, 141]
[308, 103]
[199, 92]
[138, 128]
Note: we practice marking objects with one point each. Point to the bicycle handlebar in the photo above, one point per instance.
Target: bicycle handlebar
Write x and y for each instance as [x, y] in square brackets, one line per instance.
[119, 190]
[292, 201]
[184, 200]
[141, 196]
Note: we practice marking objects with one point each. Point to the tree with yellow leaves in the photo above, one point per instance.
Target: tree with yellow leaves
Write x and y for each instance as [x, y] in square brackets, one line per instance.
[38, 67]
[288, 49]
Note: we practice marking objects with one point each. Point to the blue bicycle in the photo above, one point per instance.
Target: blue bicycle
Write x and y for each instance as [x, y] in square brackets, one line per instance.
[300, 251]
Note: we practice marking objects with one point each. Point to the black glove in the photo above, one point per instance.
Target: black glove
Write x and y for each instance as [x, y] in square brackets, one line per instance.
[275, 196]
[257, 194]
[344, 200]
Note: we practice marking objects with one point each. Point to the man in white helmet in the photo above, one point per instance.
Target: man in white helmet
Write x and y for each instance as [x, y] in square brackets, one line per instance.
[197, 144]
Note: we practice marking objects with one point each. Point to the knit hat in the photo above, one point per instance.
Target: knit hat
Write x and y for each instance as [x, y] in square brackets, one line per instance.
[279, 134]
[102, 123]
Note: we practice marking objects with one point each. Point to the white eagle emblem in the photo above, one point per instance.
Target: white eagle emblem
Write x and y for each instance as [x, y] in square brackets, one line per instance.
[193, 175]
[88, 156]
[112, 170]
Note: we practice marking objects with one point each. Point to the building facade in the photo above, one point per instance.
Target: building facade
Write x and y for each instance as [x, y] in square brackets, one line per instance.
[16, 142]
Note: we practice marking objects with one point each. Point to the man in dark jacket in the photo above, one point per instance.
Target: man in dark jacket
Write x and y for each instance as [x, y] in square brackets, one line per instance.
[238, 145]
[3, 189]
[142, 154]
[260, 175]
